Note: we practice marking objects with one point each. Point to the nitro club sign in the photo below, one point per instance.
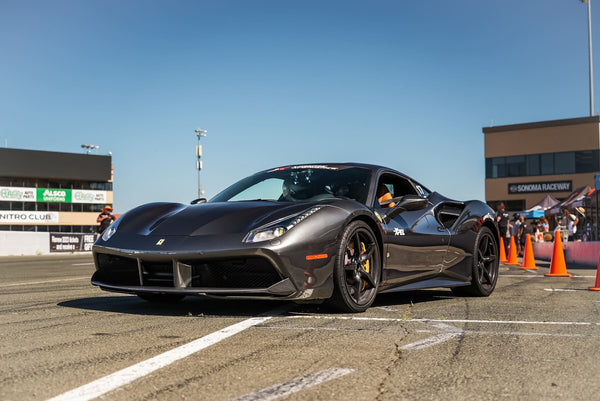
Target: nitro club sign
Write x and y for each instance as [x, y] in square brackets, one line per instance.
[19, 217]
[537, 187]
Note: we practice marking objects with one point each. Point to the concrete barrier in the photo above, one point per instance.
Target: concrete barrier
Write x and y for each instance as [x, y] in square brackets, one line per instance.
[576, 253]
[16, 243]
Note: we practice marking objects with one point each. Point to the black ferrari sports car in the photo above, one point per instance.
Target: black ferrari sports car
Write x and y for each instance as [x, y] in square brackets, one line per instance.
[335, 232]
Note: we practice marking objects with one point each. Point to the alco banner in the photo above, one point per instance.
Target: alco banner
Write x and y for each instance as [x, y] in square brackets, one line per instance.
[53, 195]
[71, 242]
[15, 194]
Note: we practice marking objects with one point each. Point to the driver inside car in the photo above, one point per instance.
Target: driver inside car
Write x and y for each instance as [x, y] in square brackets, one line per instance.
[383, 194]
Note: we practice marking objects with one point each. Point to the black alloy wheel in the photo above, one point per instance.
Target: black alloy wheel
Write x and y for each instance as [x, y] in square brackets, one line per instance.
[357, 270]
[485, 266]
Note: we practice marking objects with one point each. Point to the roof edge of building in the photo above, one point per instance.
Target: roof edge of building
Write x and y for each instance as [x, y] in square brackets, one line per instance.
[542, 124]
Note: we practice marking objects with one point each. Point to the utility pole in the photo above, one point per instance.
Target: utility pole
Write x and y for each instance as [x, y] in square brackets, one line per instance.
[199, 133]
[589, 11]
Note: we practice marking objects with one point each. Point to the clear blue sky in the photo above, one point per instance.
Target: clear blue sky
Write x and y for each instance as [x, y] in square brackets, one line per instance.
[407, 84]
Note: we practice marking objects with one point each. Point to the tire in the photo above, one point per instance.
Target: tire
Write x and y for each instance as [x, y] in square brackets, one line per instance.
[161, 298]
[356, 276]
[484, 275]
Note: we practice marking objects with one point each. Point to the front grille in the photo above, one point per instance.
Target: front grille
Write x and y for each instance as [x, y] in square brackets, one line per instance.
[116, 270]
[253, 272]
[157, 274]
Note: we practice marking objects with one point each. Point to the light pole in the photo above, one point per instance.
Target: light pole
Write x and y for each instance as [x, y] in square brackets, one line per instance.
[589, 11]
[88, 148]
[199, 133]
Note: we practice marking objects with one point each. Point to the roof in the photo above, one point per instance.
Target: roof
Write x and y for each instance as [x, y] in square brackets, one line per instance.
[542, 124]
[22, 163]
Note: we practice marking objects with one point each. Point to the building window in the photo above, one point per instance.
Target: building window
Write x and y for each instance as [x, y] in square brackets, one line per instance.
[547, 163]
[515, 166]
[533, 165]
[586, 161]
[564, 163]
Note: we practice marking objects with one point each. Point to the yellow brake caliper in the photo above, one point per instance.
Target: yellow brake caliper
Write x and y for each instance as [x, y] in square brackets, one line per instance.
[366, 265]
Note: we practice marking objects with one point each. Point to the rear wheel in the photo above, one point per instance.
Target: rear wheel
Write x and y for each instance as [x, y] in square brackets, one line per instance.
[161, 298]
[485, 266]
[357, 269]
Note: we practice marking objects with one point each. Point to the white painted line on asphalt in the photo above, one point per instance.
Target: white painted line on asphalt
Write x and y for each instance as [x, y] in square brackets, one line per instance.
[45, 281]
[141, 369]
[510, 322]
[520, 333]
[448, 333]
[558, 290]
[387, 319]
[295, 385]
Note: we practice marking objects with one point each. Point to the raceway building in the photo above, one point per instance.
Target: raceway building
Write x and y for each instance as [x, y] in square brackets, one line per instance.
[54, 192]
[525, 162]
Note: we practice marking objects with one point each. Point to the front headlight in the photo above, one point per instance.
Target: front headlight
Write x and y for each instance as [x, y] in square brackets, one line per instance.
[278, 228]
[111, 230]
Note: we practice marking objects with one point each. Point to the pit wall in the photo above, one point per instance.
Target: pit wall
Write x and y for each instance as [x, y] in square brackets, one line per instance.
[14, 243]
[26, 243]
[576, 253]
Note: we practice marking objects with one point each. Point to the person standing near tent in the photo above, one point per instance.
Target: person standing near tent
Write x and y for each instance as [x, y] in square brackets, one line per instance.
[502, 219]
[524, 229]
[570, 221]
[516, 231]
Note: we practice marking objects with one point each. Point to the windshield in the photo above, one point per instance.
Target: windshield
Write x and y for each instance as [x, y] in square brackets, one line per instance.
[301, 184]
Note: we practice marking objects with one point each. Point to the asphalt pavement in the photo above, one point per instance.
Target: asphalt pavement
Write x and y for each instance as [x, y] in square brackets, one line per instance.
[534, 338]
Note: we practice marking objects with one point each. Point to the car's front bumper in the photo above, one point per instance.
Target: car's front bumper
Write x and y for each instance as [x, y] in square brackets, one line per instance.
[277, 272]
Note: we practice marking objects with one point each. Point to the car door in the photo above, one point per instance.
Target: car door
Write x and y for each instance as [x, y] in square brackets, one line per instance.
[415, 241]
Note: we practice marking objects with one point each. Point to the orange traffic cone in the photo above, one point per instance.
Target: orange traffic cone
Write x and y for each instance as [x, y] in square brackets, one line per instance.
[528, 258]
[502, 251]
[597, 287]
[558, 268]
[512, 253]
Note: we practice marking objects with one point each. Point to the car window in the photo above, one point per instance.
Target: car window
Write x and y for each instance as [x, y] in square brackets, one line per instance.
[301, 184]
[393, 186]
[269, 189]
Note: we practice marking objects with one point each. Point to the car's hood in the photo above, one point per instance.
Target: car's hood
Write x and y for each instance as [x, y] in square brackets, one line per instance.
[224, 217]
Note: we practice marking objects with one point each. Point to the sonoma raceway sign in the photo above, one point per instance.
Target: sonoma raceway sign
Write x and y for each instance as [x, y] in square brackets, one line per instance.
[535, 187]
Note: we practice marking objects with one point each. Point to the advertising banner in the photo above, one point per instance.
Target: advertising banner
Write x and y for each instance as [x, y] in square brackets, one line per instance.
[27, 217]
[85, 196]
[17, 194]
[53, 195]
[71, 242]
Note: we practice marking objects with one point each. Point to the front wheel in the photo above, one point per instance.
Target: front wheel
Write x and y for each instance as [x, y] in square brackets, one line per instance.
[485, 266]
[357, 269]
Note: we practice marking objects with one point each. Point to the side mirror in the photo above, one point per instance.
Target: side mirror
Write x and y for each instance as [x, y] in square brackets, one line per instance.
[199, 200]
[404, 203]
